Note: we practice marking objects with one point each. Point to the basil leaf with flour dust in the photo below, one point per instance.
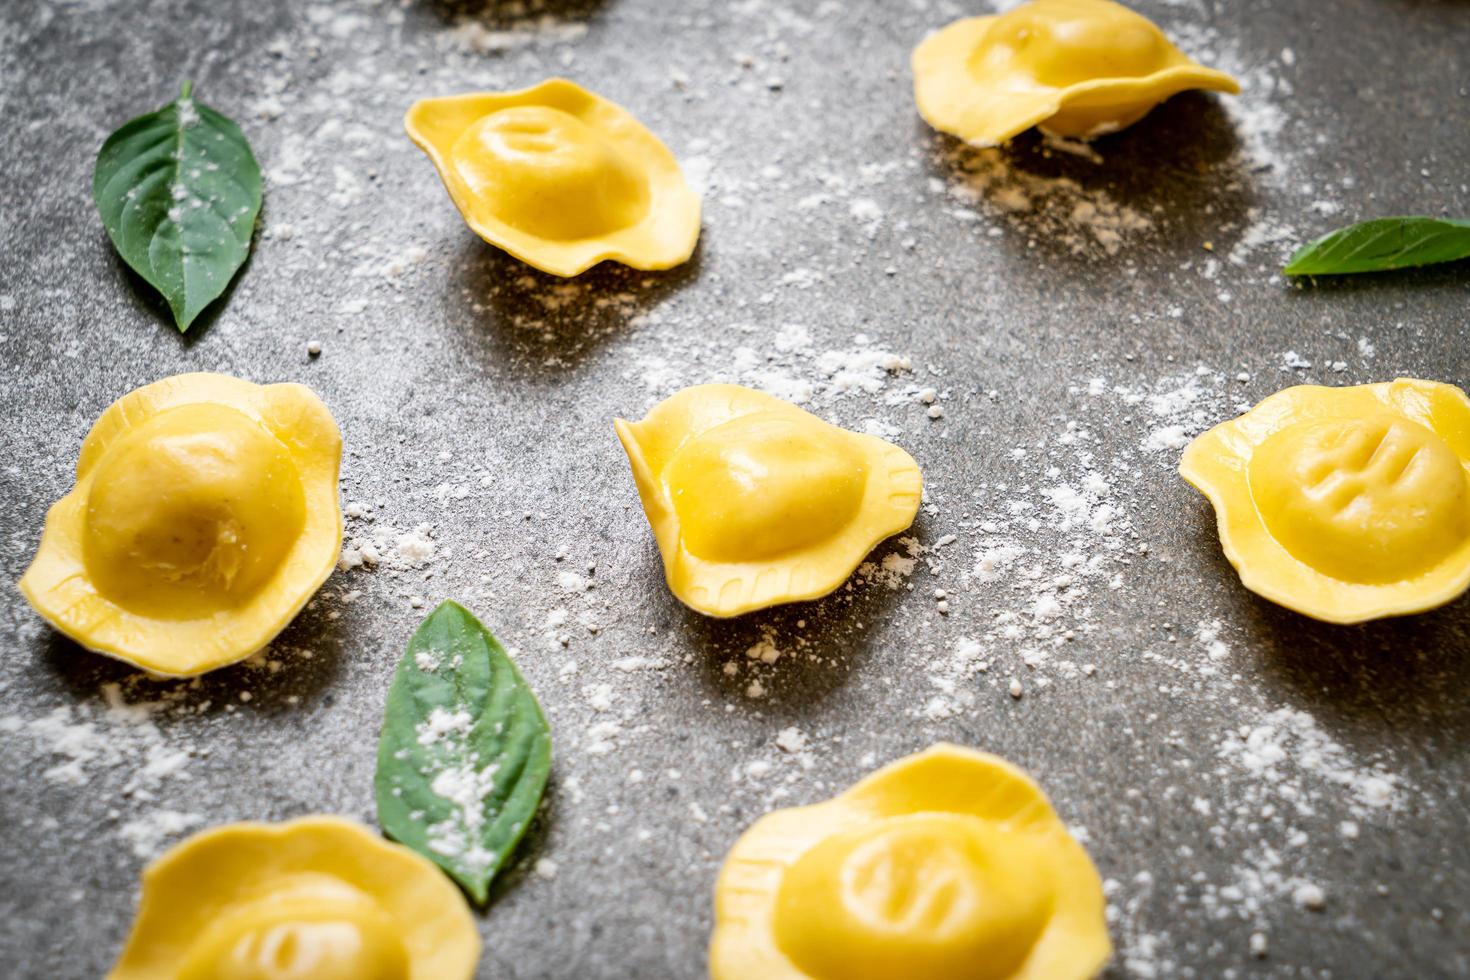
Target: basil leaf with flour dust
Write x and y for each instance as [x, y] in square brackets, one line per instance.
[1383, 244]
[179, 191]
[464, 753]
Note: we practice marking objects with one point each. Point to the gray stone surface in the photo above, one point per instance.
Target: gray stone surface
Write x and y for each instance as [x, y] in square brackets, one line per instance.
[476, 396]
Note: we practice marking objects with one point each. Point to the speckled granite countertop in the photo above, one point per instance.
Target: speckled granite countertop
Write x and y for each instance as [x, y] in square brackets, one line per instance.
[1076, 316]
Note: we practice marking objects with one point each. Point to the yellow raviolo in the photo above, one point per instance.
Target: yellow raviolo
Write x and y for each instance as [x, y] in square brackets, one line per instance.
[1345, 504]
[559, 177]
[947, 865]
[755, 502]
[1077, 68]
[318, 898]
[204, 516]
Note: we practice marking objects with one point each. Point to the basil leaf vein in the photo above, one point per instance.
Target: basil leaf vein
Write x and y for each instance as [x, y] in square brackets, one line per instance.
[1383, 244]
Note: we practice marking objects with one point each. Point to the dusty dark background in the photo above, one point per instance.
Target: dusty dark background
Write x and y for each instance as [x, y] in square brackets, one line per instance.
[476, 397]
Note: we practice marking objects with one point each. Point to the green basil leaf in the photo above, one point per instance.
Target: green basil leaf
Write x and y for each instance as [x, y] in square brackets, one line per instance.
[179, 192]
[1382, 244]
[465, 750]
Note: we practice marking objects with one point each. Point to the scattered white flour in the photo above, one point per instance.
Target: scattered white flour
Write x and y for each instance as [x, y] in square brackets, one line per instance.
[601, 738]
[990, 562]
[472, 36]
[88, 739]
[572, 583]
[382, 546]
[114, 747]
[791, 740]
[792, 369]
[1208, 635]
[865, 369]
[1287, 745]
[415, 547]
[600, 697]
[1310, 896]
[465, 787]
[1166, 437]
[442, 723]
[1264, 233]
[147, 835]
[1178, 407]
[894, 569]
[1059, 209]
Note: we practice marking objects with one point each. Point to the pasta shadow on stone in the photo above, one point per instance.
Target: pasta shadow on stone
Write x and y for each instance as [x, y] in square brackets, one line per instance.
[545, 326]
[1172, 181]
[1404, 673]
[1411, 283]
[287, 669]
[533, 845]
[499, 13]
[784, 657]
[1401, 675]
